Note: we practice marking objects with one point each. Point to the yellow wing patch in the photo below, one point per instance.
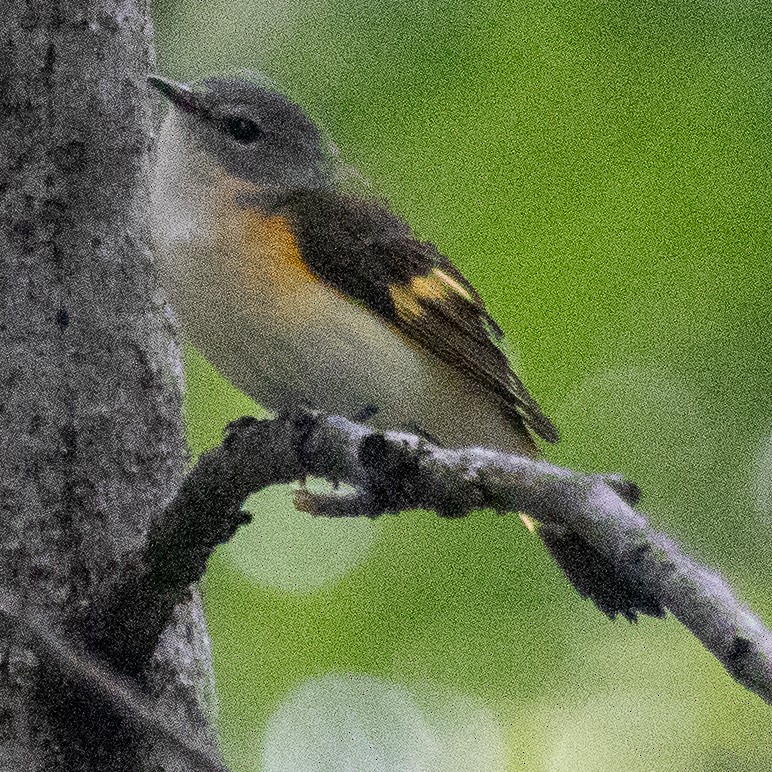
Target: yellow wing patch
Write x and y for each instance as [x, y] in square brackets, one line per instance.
[436, 286]
[453, 284]
[406, 302]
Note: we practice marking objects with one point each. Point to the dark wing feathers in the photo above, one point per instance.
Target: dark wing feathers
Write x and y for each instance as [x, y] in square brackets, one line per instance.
[353, 245]
[364, 250]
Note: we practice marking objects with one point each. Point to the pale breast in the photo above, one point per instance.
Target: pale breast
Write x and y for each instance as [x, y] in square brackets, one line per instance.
[245, 298]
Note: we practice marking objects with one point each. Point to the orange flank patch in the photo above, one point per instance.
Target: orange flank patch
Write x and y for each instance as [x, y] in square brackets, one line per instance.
[271, 243]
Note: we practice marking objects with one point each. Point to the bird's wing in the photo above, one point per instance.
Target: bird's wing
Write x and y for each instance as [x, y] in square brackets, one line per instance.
[368, 253]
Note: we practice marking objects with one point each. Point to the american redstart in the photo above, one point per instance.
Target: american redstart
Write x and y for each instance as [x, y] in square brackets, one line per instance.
[301, 291]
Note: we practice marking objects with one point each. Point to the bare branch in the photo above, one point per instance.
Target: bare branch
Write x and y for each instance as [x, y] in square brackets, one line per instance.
[206, 512]
[393, 472]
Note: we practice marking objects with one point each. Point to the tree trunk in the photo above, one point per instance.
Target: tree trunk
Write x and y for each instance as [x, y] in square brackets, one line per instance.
[91, 435]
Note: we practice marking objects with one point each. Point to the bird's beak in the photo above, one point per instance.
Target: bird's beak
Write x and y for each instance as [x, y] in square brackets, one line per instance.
[180, 95]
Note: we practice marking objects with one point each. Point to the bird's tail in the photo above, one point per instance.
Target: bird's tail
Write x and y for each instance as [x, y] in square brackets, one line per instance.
[592, 574]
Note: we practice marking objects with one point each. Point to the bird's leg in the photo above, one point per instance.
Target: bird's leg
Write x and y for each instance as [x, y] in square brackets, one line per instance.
[363, 415]
[424, 435]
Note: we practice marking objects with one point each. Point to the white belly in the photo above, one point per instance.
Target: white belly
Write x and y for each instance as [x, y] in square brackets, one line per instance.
[271, 328]
[281, 347]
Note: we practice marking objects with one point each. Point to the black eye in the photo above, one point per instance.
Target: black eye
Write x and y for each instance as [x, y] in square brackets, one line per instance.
[243, 130]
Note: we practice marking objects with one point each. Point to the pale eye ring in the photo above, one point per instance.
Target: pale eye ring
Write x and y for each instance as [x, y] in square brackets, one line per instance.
[243, 130]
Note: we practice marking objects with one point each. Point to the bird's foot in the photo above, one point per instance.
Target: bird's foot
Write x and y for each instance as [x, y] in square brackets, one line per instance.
[363, 415]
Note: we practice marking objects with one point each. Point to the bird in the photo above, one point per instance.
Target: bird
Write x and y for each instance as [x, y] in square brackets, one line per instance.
[300, 288]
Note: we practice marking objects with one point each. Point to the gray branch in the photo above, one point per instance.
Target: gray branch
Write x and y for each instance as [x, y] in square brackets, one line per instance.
[393, 472]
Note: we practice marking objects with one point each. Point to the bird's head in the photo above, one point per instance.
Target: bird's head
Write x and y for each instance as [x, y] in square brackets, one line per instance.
[249, 129]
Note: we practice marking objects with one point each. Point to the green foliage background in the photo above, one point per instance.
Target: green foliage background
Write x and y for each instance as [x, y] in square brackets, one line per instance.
[601, 172]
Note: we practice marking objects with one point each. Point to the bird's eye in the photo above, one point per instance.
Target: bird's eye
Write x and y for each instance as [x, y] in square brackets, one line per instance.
[243, 130]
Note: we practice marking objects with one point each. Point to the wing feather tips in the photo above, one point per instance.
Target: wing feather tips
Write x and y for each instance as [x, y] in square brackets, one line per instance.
[542, 426]
[549, 432]
[533, 418]
[521, 402]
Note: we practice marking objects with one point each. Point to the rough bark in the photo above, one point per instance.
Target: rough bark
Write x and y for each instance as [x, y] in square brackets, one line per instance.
[91, 440]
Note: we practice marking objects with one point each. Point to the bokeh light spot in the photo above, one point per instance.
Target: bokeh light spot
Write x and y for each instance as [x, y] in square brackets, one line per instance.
[349, 721]
[293, 551]
[763, 480]
[634, 731]
[468, 735]
[647, 422]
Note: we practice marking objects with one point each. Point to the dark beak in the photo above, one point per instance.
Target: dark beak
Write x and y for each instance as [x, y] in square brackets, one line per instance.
[177, 93]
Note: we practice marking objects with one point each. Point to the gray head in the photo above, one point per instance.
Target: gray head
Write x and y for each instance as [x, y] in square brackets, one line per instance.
[250, 129]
